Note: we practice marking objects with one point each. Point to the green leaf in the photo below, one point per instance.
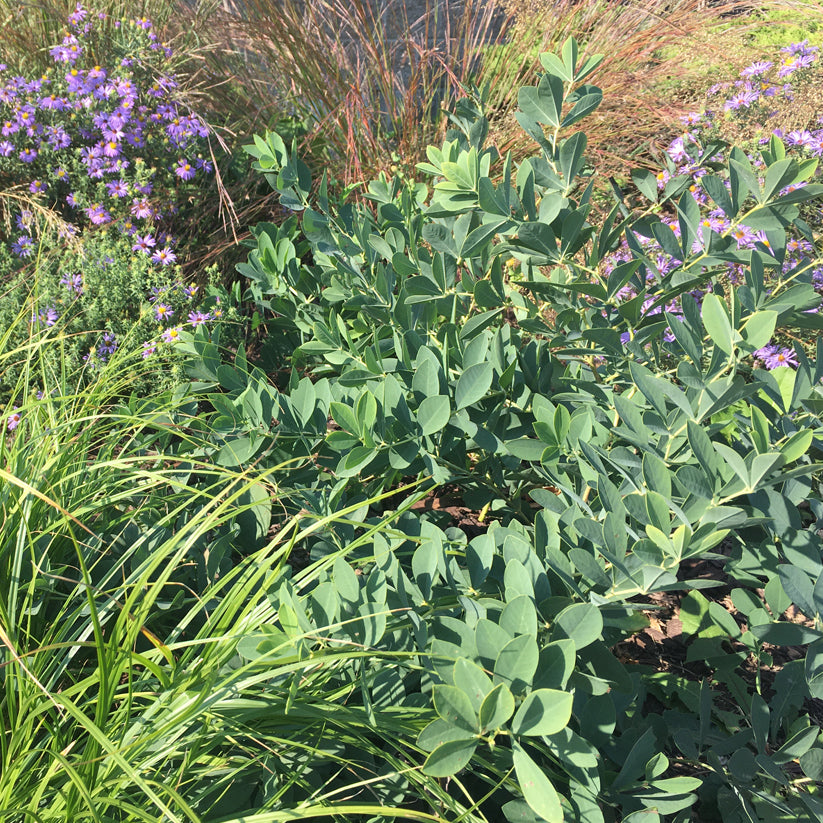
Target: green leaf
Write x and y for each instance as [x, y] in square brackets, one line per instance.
[455, 707]
[345, 581]
[556, 665]
[366, 411]
[758, 330]
[238, 450]
[570, 52]
[716, 321]
[526, 448]
[471, 679]
[703, 449]
[797, 585]
[571, 156]
[646, 183]
[796, 746]
[345, 417]
[497, 708]
[519, 616]
[479, 238]
[544, 103]
[490, 640]
[656, 475]
[777, 600]
[358, 458]
[537, 790]
[516, 663]
[474, 325]
[812, 764]
[433, 414]
[439, 732]
[760, 722]
[715, 188]
[553, 64]
[785, 634]
[695, 482]
[582, 623]
[544, 711]
[473, 385]
[426, 380]
[797, 445]
[740, 166]
[584, 106]
[449, 758]
[814, 669]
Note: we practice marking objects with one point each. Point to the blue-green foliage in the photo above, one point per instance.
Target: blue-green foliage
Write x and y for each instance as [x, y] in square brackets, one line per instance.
[610, 447]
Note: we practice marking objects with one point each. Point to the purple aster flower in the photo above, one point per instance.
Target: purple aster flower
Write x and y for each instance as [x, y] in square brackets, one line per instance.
[46, 317]
[802, 47]
[117, 188]
[73, 282]
[799, 245]
[144, 243]
[172, 335]
[111, 148]
[765, 352]
[13, 420]
[744, 236]
[37, 187]
[141, 209]
[23, 247]
[677, 149]
[75, 82]
[149, 348]
[794, 62]
[28, 155]
[164, 256]
[58, 137]
[199, 318]
[97, 214]
[184, 170]
[78, 15]
[108, 346]
[190, 291]
[162, 311]
[781, 357]
[756, 69]
[743, 99]
[6, 148]
[52, 102]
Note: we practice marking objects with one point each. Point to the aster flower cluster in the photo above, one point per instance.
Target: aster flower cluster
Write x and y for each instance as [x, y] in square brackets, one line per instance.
[175, 307]
[686, 156]
[760, 88]
[103, 146]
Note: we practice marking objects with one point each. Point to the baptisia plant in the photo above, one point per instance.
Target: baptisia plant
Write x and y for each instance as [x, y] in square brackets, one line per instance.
[96, 164]
[596, 412]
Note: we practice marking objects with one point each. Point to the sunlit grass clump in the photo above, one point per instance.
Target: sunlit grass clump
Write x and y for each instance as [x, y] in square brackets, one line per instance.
[123, 602]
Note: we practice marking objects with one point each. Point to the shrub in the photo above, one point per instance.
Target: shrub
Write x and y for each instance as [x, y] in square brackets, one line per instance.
[604, 446]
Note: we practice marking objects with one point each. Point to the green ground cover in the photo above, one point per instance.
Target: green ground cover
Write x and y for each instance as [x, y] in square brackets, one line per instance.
[427, 464]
